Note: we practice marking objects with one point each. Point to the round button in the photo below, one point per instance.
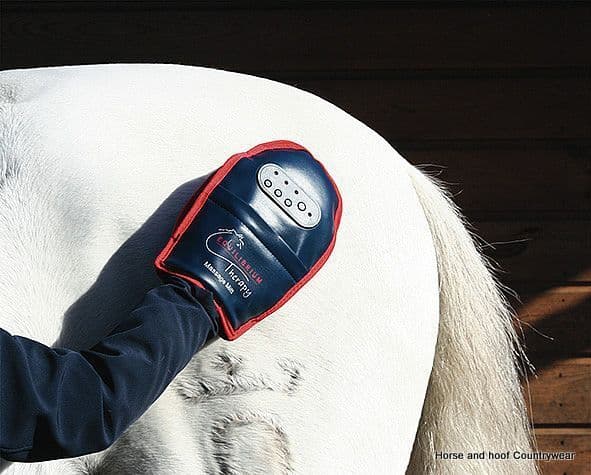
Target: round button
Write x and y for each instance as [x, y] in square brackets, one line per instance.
[268, 183]
[287, 202]
[301, 206]
[277, 192]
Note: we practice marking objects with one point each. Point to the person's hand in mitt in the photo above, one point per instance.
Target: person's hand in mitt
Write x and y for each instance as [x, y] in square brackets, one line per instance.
[257, 230]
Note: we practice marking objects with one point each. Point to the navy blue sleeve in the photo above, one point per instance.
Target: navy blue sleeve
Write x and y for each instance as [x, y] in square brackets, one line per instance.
[58, 403]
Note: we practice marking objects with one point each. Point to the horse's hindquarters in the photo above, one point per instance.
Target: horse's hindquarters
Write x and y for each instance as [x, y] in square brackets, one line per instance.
[332, 383]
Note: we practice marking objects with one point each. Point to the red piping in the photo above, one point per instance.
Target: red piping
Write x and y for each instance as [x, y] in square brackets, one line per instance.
[204, 193]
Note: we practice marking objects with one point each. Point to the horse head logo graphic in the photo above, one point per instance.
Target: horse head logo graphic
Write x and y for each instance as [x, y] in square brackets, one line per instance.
[224, 244]
[237, 239]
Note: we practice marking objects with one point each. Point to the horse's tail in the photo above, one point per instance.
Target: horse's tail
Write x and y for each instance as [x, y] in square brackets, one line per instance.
[474, 401]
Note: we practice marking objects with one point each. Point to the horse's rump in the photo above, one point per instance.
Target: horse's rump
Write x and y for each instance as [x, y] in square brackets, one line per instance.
[95, 164]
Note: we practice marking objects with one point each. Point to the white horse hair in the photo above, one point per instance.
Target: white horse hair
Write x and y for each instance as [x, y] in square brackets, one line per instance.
[475, 379]
[401, 349]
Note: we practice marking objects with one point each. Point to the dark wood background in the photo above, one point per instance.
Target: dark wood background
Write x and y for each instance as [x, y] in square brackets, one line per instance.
[497, 95]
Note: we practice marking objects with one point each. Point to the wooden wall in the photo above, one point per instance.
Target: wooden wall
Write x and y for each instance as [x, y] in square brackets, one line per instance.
[496, 95]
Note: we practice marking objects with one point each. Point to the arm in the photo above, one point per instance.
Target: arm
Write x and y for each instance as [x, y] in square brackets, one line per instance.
[57, 403]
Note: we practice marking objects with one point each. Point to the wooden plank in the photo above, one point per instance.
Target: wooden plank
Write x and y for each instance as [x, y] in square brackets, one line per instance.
[498, 108]
[561, 393]
[539, 251]
[349, 38]
[555, 321]
[566, 440]
[485, 180]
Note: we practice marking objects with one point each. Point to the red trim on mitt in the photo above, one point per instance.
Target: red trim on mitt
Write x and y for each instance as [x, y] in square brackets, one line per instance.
[204, 193]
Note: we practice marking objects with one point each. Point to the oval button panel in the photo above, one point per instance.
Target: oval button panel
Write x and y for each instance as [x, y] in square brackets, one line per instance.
[284, 191]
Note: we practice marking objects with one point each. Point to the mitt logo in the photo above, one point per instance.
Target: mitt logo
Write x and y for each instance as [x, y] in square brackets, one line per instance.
[227, 245]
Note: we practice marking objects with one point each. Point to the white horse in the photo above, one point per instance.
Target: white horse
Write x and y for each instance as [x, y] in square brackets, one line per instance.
[400, 350]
